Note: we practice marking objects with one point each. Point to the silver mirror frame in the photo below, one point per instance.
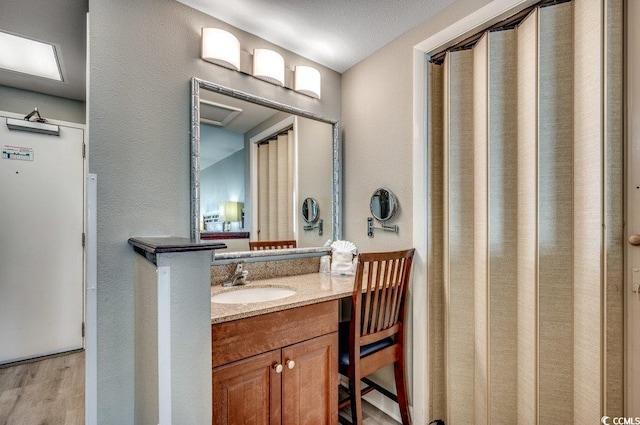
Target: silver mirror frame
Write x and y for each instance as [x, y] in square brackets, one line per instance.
[196, 85]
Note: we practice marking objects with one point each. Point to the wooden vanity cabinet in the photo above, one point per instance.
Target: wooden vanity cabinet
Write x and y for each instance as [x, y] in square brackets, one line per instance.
[247, 391]
[277, 368]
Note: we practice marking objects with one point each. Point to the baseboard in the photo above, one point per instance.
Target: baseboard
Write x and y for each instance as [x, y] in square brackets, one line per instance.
[382, 403]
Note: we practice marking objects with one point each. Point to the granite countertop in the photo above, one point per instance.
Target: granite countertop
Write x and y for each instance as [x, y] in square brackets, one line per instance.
[310, 289]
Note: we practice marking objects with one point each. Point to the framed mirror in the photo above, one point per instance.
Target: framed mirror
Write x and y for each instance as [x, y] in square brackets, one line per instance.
[310, 210]
[383, 205]
[252, 162]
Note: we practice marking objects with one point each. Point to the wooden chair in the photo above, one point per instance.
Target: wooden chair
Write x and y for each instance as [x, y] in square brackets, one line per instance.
[374, 337]
[262, 245]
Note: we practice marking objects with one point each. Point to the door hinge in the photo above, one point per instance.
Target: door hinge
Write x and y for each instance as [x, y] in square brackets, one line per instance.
[84, 237]
[84, 150]
[83, 329]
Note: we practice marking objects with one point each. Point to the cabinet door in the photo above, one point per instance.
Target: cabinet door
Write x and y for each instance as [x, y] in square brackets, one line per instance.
[310, 387]
[247, 392]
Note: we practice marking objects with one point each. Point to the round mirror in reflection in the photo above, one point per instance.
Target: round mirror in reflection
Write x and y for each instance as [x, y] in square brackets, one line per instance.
[383, 204]
[310, 210]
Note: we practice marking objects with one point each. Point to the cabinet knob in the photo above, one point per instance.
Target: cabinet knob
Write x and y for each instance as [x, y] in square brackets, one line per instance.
[278, 368]
[291, 364]
[634, 240]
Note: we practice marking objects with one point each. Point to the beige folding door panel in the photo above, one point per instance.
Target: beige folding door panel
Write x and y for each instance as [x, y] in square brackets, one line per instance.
[435, 219]
[527, 216]
[555, 214]
[531, 220]
[458, 240]
[275, 188]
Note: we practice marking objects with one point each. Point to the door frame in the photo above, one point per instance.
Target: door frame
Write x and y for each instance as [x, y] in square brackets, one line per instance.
[482, 18]
[85, 167]
[90, 341]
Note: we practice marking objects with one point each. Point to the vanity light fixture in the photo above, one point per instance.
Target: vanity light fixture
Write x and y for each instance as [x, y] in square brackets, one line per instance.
[268, 66]
[221, 48]
[307, 81]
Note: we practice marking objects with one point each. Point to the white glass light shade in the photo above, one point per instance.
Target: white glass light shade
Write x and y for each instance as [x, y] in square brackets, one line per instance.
[221, 47]
[28, 56]
[268, 66]
[307, 81]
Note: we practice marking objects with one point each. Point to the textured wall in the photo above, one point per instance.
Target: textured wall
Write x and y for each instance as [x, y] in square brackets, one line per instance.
[315, 156]
[143, 55]
[221, 182]
[59, 108]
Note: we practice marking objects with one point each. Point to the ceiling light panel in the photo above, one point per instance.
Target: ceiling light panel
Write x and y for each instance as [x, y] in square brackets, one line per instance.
[28, 56]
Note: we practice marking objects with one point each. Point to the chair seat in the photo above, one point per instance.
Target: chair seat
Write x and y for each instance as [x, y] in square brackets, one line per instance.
[365, 350]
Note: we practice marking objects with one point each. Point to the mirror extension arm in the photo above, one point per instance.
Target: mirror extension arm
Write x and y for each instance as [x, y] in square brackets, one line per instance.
[385, 227]
[320, 227]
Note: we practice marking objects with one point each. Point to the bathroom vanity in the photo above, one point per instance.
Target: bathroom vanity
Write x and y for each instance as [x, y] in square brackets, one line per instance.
[267, 349]
[277, 360]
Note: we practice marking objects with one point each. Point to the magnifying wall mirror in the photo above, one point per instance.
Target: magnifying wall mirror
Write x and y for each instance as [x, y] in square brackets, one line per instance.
[383, 205]
[252, 162]
[310, 210]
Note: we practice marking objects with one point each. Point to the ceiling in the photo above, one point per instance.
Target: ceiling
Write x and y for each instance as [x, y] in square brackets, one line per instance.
[250, 115]
[334, 33]
[58, 22]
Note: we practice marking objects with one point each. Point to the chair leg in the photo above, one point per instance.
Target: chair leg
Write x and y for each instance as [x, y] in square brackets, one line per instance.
[356, 400]
[401, 388]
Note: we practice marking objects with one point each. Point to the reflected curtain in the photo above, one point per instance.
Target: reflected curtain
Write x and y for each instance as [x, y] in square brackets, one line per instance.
[525, 226]
[275, 188]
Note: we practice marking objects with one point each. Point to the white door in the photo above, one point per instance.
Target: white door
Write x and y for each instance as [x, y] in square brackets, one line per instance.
[632, 305]
[41, 242]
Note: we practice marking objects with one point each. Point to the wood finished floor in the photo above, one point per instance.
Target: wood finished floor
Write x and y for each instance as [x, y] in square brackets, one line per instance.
[370, 414]
[51, 392]
[44, 392]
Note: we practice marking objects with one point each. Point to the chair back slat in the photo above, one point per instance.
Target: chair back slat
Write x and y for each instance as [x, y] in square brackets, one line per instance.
[379, 291]
[401, 289]
[375, 294]
[265, 245]
[398, 270]
[393, 296]
[387, 286]
[366, 316]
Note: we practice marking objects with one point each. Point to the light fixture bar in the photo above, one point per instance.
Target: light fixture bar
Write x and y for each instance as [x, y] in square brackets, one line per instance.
[28, 56]
[223, 48]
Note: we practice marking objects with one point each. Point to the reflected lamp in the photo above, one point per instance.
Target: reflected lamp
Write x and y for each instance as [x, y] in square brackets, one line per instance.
[230, 212]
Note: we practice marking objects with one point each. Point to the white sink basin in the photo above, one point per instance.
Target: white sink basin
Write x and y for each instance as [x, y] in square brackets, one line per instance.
[252, 295]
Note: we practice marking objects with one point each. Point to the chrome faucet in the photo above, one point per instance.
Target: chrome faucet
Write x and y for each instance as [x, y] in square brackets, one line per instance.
[238, 278]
